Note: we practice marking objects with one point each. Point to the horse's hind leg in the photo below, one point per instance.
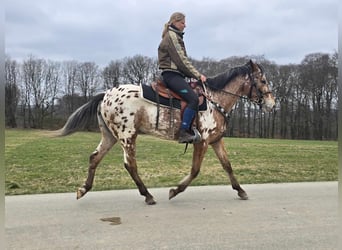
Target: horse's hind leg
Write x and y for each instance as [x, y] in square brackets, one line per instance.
[223, 157]
[199, 151]
[104, 146]
[129, 147]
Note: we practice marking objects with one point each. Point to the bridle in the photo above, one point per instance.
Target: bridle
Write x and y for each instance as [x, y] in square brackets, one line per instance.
[260, 95]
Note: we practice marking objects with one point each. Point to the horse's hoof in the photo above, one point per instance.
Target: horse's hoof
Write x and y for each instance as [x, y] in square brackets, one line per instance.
[150, 201]
[172, 193]
[81, 192]
[243, 195]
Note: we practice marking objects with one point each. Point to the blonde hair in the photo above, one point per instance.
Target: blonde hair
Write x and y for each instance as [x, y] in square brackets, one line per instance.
[175, 17]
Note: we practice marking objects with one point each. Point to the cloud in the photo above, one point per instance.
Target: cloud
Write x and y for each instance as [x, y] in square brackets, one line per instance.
[104, 30]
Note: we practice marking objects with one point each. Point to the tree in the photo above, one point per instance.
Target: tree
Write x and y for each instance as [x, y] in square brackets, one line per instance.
[112, 74]
[11, 92]
[70, 72]
[32, 70]
[284, 87]
[331, 98]
[306, 93]
[40, 81]
[88, 79]
[139, 70]
[52, 82]
[314, 72]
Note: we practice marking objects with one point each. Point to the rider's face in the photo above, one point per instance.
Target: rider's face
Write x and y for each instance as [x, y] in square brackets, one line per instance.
[180, 25]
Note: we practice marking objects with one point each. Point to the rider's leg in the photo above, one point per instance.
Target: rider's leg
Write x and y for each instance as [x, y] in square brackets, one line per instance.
[177, 83]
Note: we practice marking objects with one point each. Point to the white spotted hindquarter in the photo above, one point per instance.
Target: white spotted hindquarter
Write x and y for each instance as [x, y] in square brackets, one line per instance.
[116, 112]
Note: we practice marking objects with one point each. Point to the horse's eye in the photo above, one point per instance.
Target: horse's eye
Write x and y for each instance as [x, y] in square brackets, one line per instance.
[263, 81]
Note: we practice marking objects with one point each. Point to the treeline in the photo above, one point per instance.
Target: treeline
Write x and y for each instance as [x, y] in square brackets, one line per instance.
[41, 93]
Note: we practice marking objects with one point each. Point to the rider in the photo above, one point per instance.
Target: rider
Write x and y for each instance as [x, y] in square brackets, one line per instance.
[175, 66]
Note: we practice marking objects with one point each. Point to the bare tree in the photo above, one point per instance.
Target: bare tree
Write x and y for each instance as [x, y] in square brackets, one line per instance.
[137, 70]
[207, 66]
[314, 74]
[154, 71]
[331, 98]
[11, 92]
[33, 79]
[70, 72]
[112, 74]
[306, 93]
[284, 87]
[41, 80]
[52, 82]
[88, 79]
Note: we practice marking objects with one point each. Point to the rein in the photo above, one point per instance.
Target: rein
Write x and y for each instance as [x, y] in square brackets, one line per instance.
[219, 108]
[253, 85]
[230, 93]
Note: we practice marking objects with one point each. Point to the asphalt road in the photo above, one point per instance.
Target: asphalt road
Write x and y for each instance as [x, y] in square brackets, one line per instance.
[277, 216]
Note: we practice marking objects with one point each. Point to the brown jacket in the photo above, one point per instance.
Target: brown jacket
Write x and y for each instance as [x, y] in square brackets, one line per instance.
[172, 55]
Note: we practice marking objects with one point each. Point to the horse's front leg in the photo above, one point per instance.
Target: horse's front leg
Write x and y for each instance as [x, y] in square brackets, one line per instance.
[221, 153]
[197, 157]
[130, 164]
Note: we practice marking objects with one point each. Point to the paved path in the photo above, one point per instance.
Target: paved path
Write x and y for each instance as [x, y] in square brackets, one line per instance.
[277, 216]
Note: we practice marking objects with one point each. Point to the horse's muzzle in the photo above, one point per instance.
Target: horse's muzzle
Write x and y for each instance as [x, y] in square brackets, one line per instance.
[268, 105]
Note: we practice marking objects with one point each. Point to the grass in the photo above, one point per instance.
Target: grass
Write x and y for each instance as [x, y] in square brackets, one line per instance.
[38, 164]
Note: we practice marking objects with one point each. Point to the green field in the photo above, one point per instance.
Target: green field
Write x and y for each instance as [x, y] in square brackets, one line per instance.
[38, 164]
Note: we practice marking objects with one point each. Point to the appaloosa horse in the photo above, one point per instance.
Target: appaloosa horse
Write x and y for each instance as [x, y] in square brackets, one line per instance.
[123, 112]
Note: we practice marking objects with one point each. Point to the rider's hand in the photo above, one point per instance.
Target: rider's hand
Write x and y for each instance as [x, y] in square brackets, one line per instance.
[203, 78]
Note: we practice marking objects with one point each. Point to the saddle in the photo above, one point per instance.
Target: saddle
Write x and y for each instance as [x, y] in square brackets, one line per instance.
[160, 88]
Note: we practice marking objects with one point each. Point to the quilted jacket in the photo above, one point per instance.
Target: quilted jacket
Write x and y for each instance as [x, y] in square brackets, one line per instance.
[172, 55]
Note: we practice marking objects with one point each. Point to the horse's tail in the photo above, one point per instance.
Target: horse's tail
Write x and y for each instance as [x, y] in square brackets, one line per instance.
[81, 117]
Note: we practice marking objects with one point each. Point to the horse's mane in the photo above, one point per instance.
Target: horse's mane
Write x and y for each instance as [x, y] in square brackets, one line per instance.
[219, 81]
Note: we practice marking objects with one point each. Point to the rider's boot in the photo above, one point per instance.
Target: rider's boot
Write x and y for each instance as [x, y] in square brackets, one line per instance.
[185, 133]
[185, 136]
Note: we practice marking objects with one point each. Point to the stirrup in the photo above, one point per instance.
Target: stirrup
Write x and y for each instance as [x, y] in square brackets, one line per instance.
[195, 138]
[198, 136]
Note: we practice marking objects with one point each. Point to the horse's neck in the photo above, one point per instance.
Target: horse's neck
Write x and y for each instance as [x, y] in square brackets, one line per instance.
[230, 94]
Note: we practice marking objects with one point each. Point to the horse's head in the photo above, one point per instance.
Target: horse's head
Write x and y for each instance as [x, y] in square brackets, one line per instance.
[260, 91]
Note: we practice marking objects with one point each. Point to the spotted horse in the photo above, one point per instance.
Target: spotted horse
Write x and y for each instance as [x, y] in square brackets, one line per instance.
[123, 113]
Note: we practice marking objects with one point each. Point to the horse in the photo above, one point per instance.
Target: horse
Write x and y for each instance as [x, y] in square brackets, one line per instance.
[123, 113]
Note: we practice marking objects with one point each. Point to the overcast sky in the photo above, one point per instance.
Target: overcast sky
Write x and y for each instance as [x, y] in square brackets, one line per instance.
[284, 31]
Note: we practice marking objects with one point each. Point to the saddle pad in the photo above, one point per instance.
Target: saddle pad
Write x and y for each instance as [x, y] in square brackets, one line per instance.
[149, 94]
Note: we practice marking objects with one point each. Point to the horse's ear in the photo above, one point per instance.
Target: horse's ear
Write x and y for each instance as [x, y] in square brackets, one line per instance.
[253, 65]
